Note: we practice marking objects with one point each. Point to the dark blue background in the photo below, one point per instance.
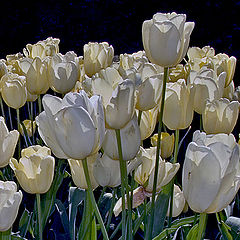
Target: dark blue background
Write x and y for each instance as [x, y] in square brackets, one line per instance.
[117, 21]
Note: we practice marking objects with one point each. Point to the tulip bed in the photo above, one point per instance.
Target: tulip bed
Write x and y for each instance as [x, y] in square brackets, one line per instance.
[139, 145]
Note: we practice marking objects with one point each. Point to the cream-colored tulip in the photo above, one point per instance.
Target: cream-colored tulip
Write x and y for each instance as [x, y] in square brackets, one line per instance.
[8, 142]
[224, 63]
[167, 144]
[228, 91]
[178, 72]
[9, 204]
[150, 88]
[178, 110]
[220, 116]
[166, 38]
[130, 140]
[211, 172]
[63, 73]
[206, 85]
[77, 172]
[13, 90]
[35, 71]
[199, 57]
[3, 68]
[35, 169]
[148, 122]
[97, 56]
[107, 171]
[42, 49]
[30, 127]
[144, 174]
[73, 127]
[178, 202]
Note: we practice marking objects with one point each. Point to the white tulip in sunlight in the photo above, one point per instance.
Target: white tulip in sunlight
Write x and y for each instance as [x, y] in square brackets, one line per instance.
[130, 140]
[220, 116]
[77, 172]
[97, 56]
[9, 204]
[178, 202]
[8, 142]
[73, 127]
[211, 172]
[107, 171]
[166, 38]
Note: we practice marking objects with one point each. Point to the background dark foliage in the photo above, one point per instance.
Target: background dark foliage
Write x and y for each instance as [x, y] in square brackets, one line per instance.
[117, 21]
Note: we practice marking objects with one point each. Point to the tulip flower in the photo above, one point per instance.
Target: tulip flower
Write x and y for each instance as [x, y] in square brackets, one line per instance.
[42, 49]
[77, 172]
[30, 127]
[107, 171]
[13, 90]
[211, 172]
[35, 169]
[224, 63]
[3, 68]
[97, 56]
[73, 127]
[130, 140]
[220, 116]
[206, 85]
[177, 72]
[178, 202]
[178, 110]
[166, 38]
[9, 204]
[63, 72]
[118, 97]
[167, 144]
[148, 122]
[144, 174]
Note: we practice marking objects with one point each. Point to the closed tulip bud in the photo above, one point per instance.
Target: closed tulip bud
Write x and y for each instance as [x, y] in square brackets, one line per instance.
[144, 174]
[73, 127]
[166, 38]
[211, 172]
[63, 73]
[206, 85]
[107, 171]
[77, 172]
[42, 49]
[13, 90]
[178, 202]
[97, 56]
[9, 204]
[220, 116]
[224, 63]
[30, 127]
[148, 122]
[35, 169]
[150, 89]
[167, 144]
[8, 142]
[130, 140]
[178, 111]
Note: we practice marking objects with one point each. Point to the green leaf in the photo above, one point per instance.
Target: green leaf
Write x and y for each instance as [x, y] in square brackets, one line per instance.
[183, 222]
[193, 233]
[24, 222]
[105, 204]
[75, 198]
[6, 235]
[161, 207]
[224, 228]
[93, 230]
[63, 215]
[234, 223]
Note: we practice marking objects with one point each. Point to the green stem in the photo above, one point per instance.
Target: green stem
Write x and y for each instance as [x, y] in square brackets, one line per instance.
[202, 226]
[39, 104]
[101, 195]
[6, 235]
[18, 127]
[160, 123]
[39, 216]
[31, 118]
[139, 117]
[94, 205]
[201, 122]
[10, 117]
[2, 107]
[111, 209]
